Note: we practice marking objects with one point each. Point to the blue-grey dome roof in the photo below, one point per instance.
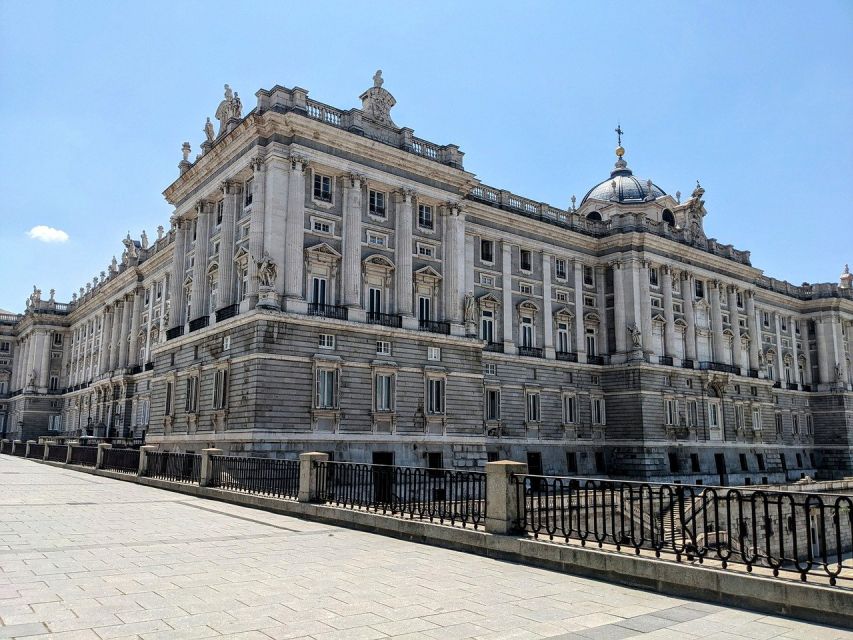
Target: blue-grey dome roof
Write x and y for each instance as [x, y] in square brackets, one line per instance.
[628, 188]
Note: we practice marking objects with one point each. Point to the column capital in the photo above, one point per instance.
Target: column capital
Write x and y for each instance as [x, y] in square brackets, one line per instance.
[407, 193]
[231, 187]
[355, 180]
[298, 162]
[204, 207]
[614, 264]
[257, 164]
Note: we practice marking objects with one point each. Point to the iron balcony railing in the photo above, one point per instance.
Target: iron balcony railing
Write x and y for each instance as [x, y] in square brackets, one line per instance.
[597, 359]
[176, 467]
[328, 311]
[174, 332]
[437, 495]
[801, 534]
[496, 347]
[199, 323]
[149, 366]
[262, 476]
[567, 356]
[753, 373]
[83, 455]
[124, 460]
[665, 360]
[385, 319]
[793, 386]
[434, 326]
[57, 453]
[687, 364]
[718, 366]
[777, 384]
[137, 368]
[532, 352]
[227, 312]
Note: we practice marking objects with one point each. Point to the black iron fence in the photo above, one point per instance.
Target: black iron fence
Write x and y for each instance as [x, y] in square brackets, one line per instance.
[83, 455]
[125, 460]
[177, 467]
[19, 449]
[5, 447]
[57, 453]
[437, 495]
[36, 451]
[263, 476]
[803, 534]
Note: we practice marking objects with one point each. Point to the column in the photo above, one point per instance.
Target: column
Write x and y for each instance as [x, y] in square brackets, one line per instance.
[106, 337]
[688, 289]
[735, 325]
[795, 350]
[754, 333]
[825, 368]
[200, 290]
[16, 365]
[507, 306]
[152, 295]
[645, 306]
[44, 373]
[580, 345]
[601, 298]
[256, 228]
[716, 322]
[840, 355]
[135, 317]
[295, 232]
[807, 352]
[454, 262]
[179, 260]
[780, 367]
[167, 284]
[115, 338]
[275, 216]
[32, 355]
[619, 328]
[547, 313]
[668, 315]
[351, 270]
[225, 283]
[123, 341]
[403, 248]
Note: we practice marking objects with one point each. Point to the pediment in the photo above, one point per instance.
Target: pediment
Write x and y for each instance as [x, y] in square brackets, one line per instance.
[378, 260]
[592, 318]
[528, 305]
[488, 300]
[658, 318]
[427, 272]
[565, 312]
[322, 249]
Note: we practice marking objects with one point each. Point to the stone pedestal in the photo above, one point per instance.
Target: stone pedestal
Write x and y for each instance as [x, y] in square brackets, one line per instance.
[143, 458]
[308, 474]
[99, 461]
[206, 471]
[502, 496]
[268, 299]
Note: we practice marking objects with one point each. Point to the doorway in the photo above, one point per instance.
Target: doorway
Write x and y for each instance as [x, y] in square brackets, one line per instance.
[720, 461]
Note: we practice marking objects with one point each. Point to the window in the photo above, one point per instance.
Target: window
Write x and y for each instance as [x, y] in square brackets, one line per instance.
[739, 416]
[656, 303]
[795, 424]
[759, 458]
[374, 300]
[589, 301]
[674, 462]
[425, 250]
[383, 348]
[425, 216]
[491, 369]
[220, 208]
[5, 347]
[435, 460]
[809, 424]
[571, 462]
[563, 337]
[226, 343]
[671, 411]
[590, 341]
[168, 409]
[588, 276]
[249, 184]
[220, 389]
[532, 406]
[322, 226]
[779, 423]
[424, 309]
[383, 395]
[54, 383]
[713, 415]
[376, 203]
[527, 333]
[694, 463]
[487, 281]
[560, 268]
[692, 413]
[3, 389]
[526, 260]
[562, 296]
[493, 404]
[327, 392]
[739, 300]
[487, 325]
[525, 289]
[318, 290]
[191, 404]
[435, 396]
[753, 391]
[57, 339]
[765, 318]
[598, 411]
[784, 324]
[744, 464]
[653, 276]
[600, 462]
[487, 251]
[322, 188]
[377, 239]
[570, 408]
[667, 217]
[434, 354]
[54, 423]
[797, 327]
[756, 419]
[700, 289]
[327, 341]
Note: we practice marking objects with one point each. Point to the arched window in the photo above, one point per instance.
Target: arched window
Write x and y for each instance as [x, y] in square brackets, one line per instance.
[667, 217]
[593, 215]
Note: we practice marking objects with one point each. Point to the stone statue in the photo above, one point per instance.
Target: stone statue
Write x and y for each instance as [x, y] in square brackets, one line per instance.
[208, 130]
[574, 200]
[74, 297]
[33, 376]
[103, 276]
[82, 293]
[144, 239]
[113, 265]
[470, 308]
[237, 106]
[160, 232]
[267, 271]
[36, 294]
[52, 295]
[838, 372]
[377, 78]
[223, 111]
[636, 336]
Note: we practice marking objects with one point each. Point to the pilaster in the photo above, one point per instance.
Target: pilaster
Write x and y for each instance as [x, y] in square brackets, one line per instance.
[403, 248]
[580, 345]
[507, 306]
[547, 313]
[256, 228]
[294, 231]
[232, 192]
[179, 262]
[200, 291]
[668, 315]
[352, 213]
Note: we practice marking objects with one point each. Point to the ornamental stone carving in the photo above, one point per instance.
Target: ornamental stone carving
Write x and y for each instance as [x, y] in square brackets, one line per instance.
[376, 102]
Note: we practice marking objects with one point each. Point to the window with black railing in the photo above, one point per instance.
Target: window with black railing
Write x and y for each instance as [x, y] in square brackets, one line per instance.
[261, 476]
[567, 356]
[174, 332]
[385, 319]
[327, 311]
[434, 326]
[532, 352]
[199, 323]
[227, 312]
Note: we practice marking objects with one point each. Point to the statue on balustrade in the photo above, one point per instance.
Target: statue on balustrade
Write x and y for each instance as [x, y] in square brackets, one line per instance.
[267, 271]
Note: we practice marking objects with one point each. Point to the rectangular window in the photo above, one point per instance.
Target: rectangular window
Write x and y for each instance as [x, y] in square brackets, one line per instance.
[571, 462]
[692, 413]
[563, 337]
[590, 342]
[487, 325]
[327, 380]
[526, 260]
[600, 462]
[318, 290]
[533, 406]
[560, 268]
[809, 424]
[374, 300]
[5, 347]
[376, 203]
[220, 389]
[598, 411]
[765, 318]
[250, 183]
[795, 424]
[525, 289]
[491, 369]
[57, 339]
[797, 327]
[756, 419]
[424, 309]
[54, 383]
[54, 423]
[700, 289]
[739, 416]
[588, 276]
[435, 460]
[744, 464]
[435, 393]
[493, 404]
[191, 404]
[589, 301]
[425, 220]
[671, 410]
[694, 463]
[383, 348]
[487, 251]
[653, 276]
[739, 300]
[674, 462]
[168, 409]
[434, 354]
[383, 385]
[527, 335]
[327, 341]
[759, 458]
[570, 408]
[487, 281]
[562, 296]
[322, 188]
[377, 239]
[226, 343]
[425, 250]
[322, 226]
[220, 209]
[778, 423]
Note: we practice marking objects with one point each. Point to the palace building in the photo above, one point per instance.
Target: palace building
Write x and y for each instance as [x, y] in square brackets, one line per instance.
[331, 282]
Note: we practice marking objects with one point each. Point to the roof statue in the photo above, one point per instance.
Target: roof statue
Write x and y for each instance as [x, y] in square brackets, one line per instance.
[144, 239]
[846, 279]
[230, 107]
[376, 102]
[209, 134]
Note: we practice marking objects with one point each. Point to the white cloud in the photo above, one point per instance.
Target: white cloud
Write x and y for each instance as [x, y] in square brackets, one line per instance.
[47, 234]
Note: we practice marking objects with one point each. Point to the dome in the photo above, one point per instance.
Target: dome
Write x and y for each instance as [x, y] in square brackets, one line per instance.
[628, 188]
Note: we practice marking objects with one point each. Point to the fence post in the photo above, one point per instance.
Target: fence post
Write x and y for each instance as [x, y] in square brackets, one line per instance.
[206, 471]
[27, 452]
[502, 496]
[16, 445]
[3, 445]
[99, 461]
[68, 453]
[308, 475]
[143, 458]
[46, 450]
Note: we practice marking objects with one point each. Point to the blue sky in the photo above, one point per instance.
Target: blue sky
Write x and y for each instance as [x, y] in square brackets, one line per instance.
[755, 99]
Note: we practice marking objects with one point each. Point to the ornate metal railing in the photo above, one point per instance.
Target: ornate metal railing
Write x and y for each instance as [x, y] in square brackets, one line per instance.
[495, 347]
[567, 356]
[83, 455]
[57, 453]
[803, 534]
[262, 476]
[227, 312]
[532, 352]
[328, 311]
[177, 467]
[718, 366]
[434, 326]
[598, 359]
[124, 460]
[199, 323]
[36, 451]
[665, 360]
[437, 495]
[687, 364]
[385, 319]
[174, 332]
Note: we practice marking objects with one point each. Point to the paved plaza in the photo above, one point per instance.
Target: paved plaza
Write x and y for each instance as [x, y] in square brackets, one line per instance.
[86, 557]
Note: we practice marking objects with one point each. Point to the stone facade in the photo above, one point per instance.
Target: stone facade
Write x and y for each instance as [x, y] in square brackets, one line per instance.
[332, 283]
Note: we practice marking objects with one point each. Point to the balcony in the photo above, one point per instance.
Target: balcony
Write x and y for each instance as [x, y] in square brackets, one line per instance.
[665, 360]
[328, 311]
[718, 366]
[793, 386]
[199, 323]
[496, 347]
[227, 312]
[687, 364]
[753, 373]
[149, 366]
[434, 326]
[385, 319]
[777, 384]
[567, 356]
[137, 368]
[174, 332]
[531, 352]
[597, 360]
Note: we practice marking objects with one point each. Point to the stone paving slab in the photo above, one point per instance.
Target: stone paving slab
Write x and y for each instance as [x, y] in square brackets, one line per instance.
[89, 558]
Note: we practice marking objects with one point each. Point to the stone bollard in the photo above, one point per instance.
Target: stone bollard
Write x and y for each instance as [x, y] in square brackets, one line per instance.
[143, 458]
[206, 471]
[4, 445]
[308, 473]
[17, 445]
[68, 453]
[27, 452]
[99, 461]
[46, 450]
[502, 496]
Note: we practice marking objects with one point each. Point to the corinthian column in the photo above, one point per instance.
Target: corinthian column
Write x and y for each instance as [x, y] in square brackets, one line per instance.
[44, 374]
[114, 336]
[689, 291]
[645, 306]
[403, 274]
[454, 262]
[754, 333]
[125, 330]
[225, 282]
[735, 325]
[295, 234]
[620, 329]
[717, 322]
[135, 317]
[351, 289]
[668, 316]
[199, 303]
[179, 262]
[507, 306]
[547, 314]
[106, 338]
[256, 229]
[580, 344]
[796, 353]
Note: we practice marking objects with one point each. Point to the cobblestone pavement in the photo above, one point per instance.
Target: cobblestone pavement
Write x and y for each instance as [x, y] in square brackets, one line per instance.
[84, 557]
